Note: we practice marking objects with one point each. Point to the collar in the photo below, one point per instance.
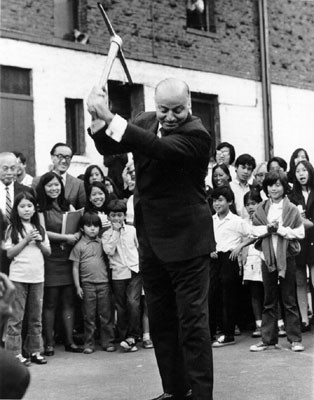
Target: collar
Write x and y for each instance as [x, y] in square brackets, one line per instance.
[226, 218]
[88, 240]
[236, 180]
[4, 186]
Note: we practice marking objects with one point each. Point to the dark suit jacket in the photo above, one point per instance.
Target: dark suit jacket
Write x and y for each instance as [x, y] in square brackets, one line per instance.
[74, 190]
[307, 244]
[170, 188]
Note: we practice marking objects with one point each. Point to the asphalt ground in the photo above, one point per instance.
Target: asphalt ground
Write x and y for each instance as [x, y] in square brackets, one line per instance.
[239, 374]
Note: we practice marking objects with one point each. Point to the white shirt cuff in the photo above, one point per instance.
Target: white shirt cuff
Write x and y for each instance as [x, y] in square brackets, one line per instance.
[117, 128]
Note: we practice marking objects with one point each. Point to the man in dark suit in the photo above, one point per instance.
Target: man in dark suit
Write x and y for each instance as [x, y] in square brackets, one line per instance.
[174, 226]
[8, 188]
[61, 156]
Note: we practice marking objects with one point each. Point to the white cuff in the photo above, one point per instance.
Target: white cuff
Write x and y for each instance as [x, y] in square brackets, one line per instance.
[117, 128]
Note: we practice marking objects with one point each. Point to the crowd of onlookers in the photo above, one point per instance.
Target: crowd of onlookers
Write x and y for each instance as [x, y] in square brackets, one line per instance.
[87, 281]
[265, 245]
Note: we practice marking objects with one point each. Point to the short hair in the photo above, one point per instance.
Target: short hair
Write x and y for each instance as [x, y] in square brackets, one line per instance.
[224, 168]
[20, 155]
[89, 206]
[90, 218]
[272, 177]
[59, 144]
[231, 150]
[281, 162]
[252, 195]
[117, 205]
[245, 159]
[224, 191]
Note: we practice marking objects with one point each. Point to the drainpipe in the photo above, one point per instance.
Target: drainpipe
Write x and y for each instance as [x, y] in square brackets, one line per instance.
[266, 79]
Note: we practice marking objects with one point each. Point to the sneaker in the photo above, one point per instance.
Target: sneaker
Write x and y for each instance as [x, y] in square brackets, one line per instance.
[263, 346]
[88, 350]
[23, 360]
[257, 332]
[148, 344]
[37, 358]
[223, 341]
[129, 344]
[259, 347]
[110, 349]
[297, 346]
[282, 331]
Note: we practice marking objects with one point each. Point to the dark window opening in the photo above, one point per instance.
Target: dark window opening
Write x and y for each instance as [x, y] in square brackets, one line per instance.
[125, 100]
[206, 107]
[65, 18]
[75, 127]
[201, 15]
[15, 80]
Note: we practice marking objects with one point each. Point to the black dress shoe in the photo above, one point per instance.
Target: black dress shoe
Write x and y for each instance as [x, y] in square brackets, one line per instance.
[37, 358]
[49, 351]
[72, 348]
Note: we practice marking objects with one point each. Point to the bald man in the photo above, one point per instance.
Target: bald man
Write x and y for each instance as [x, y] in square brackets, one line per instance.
[174, 226]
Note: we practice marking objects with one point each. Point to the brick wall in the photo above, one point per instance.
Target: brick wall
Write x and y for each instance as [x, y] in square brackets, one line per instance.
[155, 31]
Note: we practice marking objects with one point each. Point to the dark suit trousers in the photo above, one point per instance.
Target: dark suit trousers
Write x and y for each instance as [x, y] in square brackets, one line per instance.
[176, 295]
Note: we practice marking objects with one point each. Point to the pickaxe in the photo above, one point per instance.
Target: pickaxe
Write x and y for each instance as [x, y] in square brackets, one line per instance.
[114, 51]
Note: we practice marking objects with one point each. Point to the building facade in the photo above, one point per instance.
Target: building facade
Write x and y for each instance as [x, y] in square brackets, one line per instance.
[47, 71]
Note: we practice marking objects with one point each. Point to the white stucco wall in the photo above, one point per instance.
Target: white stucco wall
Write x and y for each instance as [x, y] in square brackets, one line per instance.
[61, 73]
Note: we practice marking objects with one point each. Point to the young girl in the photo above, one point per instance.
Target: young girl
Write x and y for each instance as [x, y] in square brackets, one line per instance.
[303, 197]
[97, 202]
[277, 222]
[26, 244]
[59, 285]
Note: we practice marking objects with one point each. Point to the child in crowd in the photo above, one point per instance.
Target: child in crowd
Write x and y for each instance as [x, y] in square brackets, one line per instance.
[278, 224]
[244, 166]
[92, 284]
[252, 261]
[26, 244]
[229, 231]
[121, 246]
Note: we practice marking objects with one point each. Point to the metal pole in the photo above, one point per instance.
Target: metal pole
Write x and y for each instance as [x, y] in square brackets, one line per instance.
[266, 79]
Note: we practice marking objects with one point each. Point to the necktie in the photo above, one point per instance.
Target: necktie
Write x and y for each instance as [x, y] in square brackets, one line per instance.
[8, 204]
[161, 132]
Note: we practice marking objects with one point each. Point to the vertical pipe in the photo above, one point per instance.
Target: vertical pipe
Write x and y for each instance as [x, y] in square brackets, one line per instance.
[266, 79]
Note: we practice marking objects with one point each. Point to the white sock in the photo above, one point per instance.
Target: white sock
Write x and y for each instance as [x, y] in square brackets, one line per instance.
[146, 336]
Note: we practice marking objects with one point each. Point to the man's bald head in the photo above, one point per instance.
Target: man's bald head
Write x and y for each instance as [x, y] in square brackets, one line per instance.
[8, 165]
[172, 99]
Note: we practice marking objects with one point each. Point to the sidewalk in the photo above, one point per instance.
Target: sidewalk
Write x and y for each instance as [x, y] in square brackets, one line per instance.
[239, 374]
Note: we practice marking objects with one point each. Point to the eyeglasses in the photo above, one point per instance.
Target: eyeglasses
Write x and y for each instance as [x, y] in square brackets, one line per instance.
[61, 157]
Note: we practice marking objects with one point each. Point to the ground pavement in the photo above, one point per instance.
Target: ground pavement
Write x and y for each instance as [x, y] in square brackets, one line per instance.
[239, 374]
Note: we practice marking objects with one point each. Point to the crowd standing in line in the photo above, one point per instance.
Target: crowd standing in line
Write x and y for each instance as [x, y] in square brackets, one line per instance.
[264, 235]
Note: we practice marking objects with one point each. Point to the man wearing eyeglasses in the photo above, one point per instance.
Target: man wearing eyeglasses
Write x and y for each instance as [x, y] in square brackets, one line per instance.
[61, 156]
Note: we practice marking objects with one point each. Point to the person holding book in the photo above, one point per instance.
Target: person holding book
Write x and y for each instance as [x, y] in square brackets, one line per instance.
[59, 285]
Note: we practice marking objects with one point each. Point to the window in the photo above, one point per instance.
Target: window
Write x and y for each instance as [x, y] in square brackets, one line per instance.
[200, 15]
[75, 128]
[125, 100]
[65, 18]
[205, 106]
[15, 80]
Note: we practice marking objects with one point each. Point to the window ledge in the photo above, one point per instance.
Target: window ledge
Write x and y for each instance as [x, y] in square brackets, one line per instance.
[198, 32]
